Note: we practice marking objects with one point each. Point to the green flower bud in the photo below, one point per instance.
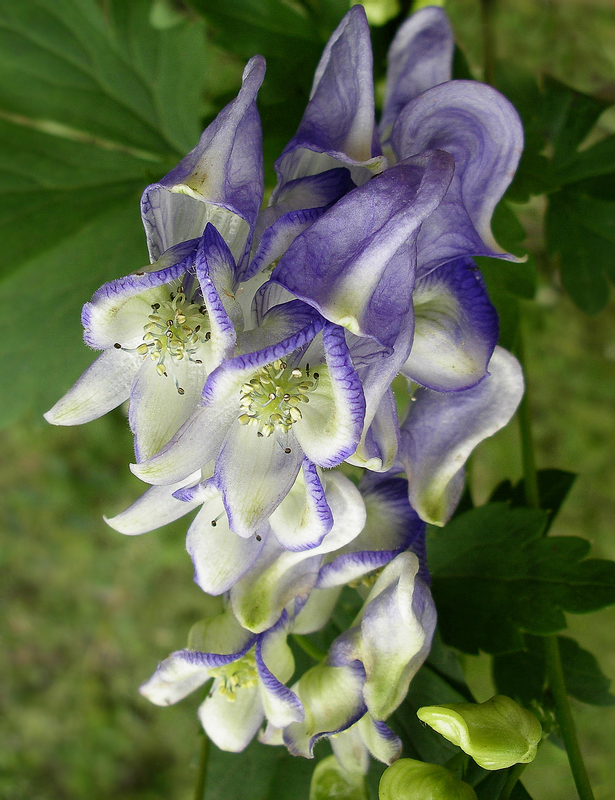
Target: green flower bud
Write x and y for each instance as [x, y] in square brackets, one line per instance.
[331, 782]
[497, 733]
[408, 779]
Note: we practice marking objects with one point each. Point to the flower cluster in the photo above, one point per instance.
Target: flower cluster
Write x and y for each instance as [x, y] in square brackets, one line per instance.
[257, 352]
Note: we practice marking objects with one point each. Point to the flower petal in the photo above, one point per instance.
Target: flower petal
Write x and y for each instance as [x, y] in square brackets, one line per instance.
[356, 263]
[231, 726]
[481, 129]
[420, 56]
[102, 387]
[333, 420]
[455, 328]
[338, 125]
[333, 701]
[441, 431]
[275, 664]
[155, 508]
[219, 181]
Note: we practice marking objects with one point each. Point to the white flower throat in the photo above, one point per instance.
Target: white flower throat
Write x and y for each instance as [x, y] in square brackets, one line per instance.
[176, 330]
[271, 400]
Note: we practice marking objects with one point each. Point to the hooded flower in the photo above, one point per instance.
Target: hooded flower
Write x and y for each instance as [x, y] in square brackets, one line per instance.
[163, 328]
[248, 673]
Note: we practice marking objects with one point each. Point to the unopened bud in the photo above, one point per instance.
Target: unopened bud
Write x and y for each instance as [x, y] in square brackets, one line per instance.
[331, 782]
[497, 733]
[408, 779]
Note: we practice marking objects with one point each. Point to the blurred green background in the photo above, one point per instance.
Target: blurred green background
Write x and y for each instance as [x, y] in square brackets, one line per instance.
[88, 612]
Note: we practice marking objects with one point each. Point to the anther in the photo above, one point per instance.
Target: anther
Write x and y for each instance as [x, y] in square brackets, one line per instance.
[287, 449]
[180, 390]
[259, 538]
[296, 373]
[117, 346]
[214, 522]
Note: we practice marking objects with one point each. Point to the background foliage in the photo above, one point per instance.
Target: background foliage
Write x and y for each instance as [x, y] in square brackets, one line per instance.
[96, 101]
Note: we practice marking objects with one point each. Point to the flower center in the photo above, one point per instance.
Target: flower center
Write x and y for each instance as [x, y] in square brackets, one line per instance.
[272, 399]
[175, 330]
[240, 674]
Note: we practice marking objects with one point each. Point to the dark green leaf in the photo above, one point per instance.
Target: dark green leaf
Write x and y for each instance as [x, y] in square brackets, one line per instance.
[582, 230]
[568, 116]
[553, 488]
[582, 674]
[495, 575]
[61, 61]
[521, 675]
[261, 772]
[596, 160]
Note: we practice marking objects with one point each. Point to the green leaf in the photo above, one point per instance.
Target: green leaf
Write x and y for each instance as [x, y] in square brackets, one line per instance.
[553, 488]
[599, 159]
[523, 675]
[495, 576]
[582, 674]
[60, 60]
[582, 230]
[260, 772]
[568, 116]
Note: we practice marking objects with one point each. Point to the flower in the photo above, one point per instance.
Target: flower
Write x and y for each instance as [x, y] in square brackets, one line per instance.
[163, 328]
[248, 674]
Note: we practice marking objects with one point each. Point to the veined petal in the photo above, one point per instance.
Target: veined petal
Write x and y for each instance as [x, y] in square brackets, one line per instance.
[196, 443]
[119, 309]
[275, 664]
[420, 56]
[356, 263]
[481, 129]
[391, 527]
[219, 181]
[304, 517]
[232, 725]
[175, 677]
[254, 475]
[220, 557]
[380, 740]
[333, 419]
[333, 701]
[379, 443]
[338, 126]
[280, 576]
[160, 404]
[455, 328]
[102, 387]
[215, 269]
[441, 430]
[155, 508]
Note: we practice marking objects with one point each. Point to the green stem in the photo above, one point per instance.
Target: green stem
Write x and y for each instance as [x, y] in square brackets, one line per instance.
[564, 718]
[513, 776]
[199, 793]
[552, 654]
[308, 647]
[487, 14]
[530, 476]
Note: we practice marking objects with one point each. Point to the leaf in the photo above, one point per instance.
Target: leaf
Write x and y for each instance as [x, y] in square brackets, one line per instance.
[568, 116]
[553, 488]
[495, 576]
[599, 159]
[260, 772]
[523, 675]
[90, 113]
[582, 674]
[582, 230]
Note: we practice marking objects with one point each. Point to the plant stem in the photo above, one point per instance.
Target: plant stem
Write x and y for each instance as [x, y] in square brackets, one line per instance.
[564, 718]
[511, 780]
[552, 654]
[308, 647]
[199, 793]
[530, 478]
[487, 14]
